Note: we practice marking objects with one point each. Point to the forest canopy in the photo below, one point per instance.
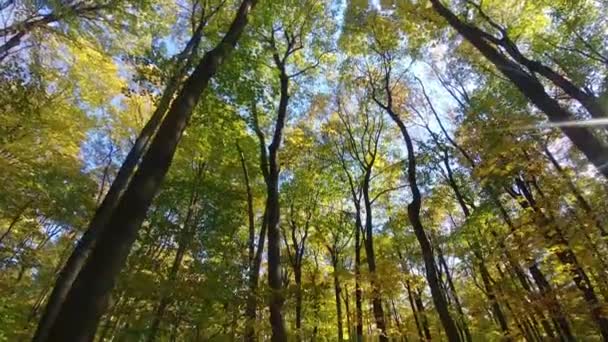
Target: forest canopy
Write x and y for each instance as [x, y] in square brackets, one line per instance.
[281, 170]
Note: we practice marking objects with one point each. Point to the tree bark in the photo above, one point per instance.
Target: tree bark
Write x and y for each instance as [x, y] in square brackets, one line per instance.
[356, 198]
[88, 297]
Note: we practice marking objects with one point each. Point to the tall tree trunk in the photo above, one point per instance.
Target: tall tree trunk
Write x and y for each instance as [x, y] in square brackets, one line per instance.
[519, 273]
[347, 307]
[273, 211]
[252, 297]
[448, 274]
[413, 211]
[485, 275]
[371, 260]
[103, 214]
[88, 297]
[337, 291]
[358, 290]
[254, 275]
[592, 147]
[410, 297]
[396, 316]
[490, 293]
[523, 280]
[424, 320]
[297, 273]
[254, 257]
[250, 213]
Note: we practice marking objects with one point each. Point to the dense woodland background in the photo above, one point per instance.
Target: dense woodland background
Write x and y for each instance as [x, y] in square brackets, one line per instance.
[218, 170]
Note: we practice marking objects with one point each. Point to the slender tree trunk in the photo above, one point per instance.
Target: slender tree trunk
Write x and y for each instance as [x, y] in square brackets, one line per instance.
[371, 261]
[414, 310]
[104, 212]
[523, 280]
[524, 327]
[424, 320]
[251, 308]
[496, 309]
[358, 290]
[316, 305]
[11, 43]
[413, 210]
[555, 309]
[485, 275]
[255, 257]
[583, 138]
[337, 291]
[396, 317]
[297, 272]
[519, 273]
[28, 25]
[252, 298]
[105, 176]
[347, 307]
[273, 211]
[250, 213]
[465, 327]
[88, 297]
